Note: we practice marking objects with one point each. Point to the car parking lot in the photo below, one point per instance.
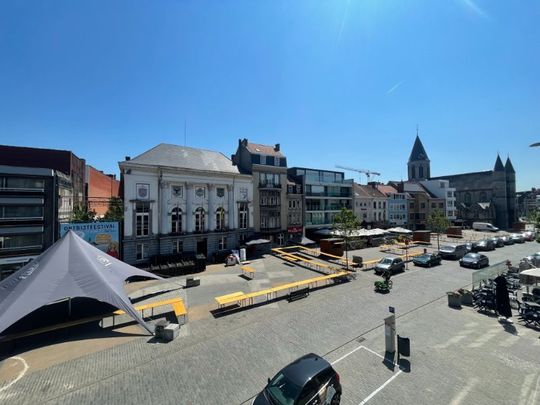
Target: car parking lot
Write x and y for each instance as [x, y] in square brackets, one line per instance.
[457, 355]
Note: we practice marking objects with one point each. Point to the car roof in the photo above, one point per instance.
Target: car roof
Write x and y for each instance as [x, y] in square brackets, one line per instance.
[305, 368]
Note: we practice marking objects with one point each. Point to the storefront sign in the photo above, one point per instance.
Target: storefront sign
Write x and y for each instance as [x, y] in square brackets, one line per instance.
[103, 235]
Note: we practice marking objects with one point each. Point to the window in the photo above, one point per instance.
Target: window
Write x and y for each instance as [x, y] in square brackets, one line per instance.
[222, 245]
[14, 212]
[177, 191]
[243, 216]
[483, 196]
[384, 205]
[449, 194]
[433, 205]
[467, 198]
[422, 205]
[220, 219]
[21, 242]
[199, 220]
[256, 159]
[441, 205]
[421, 171]
[276, 161]
[176, 220]
[413, 171]
[374, 205]
[141, 251]
[411, 205]
[142, 219]
[178, 246]
[21, 183]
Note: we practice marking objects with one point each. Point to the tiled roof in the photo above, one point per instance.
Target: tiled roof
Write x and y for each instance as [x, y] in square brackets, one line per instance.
[186, 158]
[263, 150]
[386, 189]
[363, 191]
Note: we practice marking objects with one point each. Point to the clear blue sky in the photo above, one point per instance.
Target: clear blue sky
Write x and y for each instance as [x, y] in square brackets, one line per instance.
[335, 82]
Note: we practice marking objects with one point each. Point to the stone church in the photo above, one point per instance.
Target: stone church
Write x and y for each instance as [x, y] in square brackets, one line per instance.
[487, 196]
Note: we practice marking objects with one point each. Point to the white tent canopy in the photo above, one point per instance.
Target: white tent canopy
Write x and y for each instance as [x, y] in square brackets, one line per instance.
[70, 268]
[531, 272]
[400, 230]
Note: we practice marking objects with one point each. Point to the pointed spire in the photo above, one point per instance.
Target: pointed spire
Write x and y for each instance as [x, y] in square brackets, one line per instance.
[418, 152]
[498, 164]
[508, 168]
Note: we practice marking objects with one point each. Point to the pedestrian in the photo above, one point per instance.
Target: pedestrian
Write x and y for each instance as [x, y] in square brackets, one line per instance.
[387, 275]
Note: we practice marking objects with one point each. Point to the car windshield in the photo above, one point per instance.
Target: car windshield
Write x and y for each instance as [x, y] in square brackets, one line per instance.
[447, 247]
[471, 256]
[282, 390]
[386, 261]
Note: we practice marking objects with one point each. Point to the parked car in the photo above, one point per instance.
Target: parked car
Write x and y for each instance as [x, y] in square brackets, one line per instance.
[498, 241]
[507, 240]
[517, 238]
[534, 259]
[474, 260]
[484, 226]
[309, 380]
[392, 264]
[427, 260]
[485, 245]
[528, 236]
[471, 246]
[453, 251]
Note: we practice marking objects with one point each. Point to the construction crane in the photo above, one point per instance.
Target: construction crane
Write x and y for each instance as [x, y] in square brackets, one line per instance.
[368, 173]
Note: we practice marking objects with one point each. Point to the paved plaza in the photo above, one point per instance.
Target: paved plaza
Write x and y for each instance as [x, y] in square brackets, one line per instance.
[457, 356]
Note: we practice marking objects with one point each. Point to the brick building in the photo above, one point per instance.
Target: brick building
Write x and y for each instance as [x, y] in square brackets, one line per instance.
[100, 188]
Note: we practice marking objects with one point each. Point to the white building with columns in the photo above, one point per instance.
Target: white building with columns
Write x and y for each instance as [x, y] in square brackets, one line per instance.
[179, 199]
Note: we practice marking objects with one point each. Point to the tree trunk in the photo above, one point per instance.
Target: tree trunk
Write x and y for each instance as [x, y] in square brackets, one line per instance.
[347, 253]
[438, 244]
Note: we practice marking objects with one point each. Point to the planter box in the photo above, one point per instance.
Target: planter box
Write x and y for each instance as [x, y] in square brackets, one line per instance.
[454, 300]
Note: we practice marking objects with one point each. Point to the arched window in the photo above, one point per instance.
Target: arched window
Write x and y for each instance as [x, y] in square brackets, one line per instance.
[176, 220]
[467, 198]
[199, 220]
[413, 171]
[421, 172]
[220, 219]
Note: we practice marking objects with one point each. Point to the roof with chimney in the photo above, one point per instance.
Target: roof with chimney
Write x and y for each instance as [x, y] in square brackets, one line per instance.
[418, 152]
[185, 158]
[266, 150]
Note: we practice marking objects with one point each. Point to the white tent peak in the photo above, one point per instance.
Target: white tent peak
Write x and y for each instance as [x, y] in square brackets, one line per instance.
[70, 268]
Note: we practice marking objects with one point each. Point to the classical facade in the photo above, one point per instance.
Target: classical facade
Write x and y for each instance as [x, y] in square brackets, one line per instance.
[488, 196]
[179, 199]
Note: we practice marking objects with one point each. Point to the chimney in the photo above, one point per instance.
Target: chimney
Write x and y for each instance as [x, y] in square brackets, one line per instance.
[276, 147]
[128, 158]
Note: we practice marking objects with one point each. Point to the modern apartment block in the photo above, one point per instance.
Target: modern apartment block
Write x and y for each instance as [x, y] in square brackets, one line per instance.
[30, 212]
[325, 194]
[268, 168]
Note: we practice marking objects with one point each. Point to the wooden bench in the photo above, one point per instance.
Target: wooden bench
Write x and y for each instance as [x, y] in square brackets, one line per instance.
[248, 271]
[298, 294]
[177, 304]
[227, 299]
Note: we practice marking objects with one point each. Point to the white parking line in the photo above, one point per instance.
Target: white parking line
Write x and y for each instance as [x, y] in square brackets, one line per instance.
[458, 399]
[380, 388]
[21, 374]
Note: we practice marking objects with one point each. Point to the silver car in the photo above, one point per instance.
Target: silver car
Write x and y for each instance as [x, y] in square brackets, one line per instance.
[392, 264]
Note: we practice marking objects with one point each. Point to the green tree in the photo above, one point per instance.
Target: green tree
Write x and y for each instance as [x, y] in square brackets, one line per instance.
[534, 218]
[438, 223]
[345, 223]
[82, 214]
[115, 212]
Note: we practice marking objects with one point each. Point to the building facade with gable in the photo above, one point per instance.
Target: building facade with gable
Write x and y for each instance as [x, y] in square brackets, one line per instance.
[397, 203]
[179, 199]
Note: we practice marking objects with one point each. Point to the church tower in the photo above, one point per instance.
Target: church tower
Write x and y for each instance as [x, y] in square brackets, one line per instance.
[418, 165]
[499, 198]
[510, 192]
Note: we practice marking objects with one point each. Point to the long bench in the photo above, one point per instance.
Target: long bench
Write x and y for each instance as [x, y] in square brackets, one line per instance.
[248, 271]
[177, 304]
[228, 299]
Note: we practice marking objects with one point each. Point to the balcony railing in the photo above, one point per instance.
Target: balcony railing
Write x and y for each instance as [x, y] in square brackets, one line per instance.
[269, 184]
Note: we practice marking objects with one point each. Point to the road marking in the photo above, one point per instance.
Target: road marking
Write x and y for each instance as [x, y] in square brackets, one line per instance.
[21, 374]
[535, 390]
[525, 389]
[355, 350]
[380, 388]
[461, 395]
[481, 341]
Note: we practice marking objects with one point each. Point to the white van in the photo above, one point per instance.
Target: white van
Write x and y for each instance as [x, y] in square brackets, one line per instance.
[484, 226]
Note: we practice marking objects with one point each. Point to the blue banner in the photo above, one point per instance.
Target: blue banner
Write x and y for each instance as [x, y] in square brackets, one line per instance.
[103, 235]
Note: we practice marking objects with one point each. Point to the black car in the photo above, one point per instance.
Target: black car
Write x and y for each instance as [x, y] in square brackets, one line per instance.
[474, 260]
[427, 259]
[499, 242]
[309, 380]
[471, 247]
[507, 240]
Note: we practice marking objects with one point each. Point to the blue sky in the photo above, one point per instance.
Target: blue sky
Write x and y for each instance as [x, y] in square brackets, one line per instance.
[335, 82]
